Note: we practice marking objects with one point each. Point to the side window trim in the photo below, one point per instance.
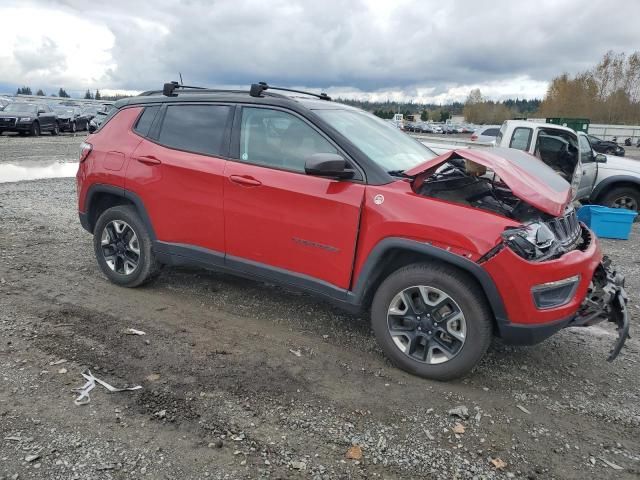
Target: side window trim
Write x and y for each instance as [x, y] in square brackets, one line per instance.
[513, 136]
[234, 151]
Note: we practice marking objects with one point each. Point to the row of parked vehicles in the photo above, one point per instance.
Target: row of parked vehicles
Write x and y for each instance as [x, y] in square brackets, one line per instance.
[427, 127]
[36, 117]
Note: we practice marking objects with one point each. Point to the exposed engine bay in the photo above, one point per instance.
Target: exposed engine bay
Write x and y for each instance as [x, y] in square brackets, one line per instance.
[541, 236]
[466, 182]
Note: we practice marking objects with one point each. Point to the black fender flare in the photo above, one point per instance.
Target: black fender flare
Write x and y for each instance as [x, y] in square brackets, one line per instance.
[609, 182]
[375, 261]
[118, 192]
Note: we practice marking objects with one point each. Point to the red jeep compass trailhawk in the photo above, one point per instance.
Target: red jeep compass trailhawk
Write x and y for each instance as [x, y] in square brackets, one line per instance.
[445, 251]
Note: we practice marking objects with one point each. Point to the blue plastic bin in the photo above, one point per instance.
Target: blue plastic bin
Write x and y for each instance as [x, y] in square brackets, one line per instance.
[607, 222]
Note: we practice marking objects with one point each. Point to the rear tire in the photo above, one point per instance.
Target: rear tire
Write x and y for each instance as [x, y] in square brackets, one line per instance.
[622, 197]
[74, 127]
[432, 356]
[123, 247]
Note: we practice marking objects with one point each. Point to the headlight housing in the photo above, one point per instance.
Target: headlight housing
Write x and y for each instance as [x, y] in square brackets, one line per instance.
[534, 241]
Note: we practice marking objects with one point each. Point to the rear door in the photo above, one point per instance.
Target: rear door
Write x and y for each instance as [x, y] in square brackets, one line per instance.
[177, 170]
[277, 218]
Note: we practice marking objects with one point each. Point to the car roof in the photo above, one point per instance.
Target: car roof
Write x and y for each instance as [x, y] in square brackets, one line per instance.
[232, 96]
[529, 124]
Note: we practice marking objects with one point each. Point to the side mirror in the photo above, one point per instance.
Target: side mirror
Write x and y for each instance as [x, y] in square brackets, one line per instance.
[92, 127]
[601, 158]
[41, 110]
[327, 165]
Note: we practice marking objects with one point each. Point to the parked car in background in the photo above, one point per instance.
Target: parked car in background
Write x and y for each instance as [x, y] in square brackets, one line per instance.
[71, 118]
[606, 146]
[4, 101]
[32, 118]
[97, 120]
[485, 134]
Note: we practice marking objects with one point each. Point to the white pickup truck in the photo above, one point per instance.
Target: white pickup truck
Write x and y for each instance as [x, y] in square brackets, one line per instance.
[596, 178]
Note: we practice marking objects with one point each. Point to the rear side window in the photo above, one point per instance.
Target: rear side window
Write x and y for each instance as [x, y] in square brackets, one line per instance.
[491, 132]
[195, 128]
[146, 119]
[521, 138]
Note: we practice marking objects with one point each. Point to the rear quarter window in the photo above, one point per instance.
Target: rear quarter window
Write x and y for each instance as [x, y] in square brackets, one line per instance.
[143, 125]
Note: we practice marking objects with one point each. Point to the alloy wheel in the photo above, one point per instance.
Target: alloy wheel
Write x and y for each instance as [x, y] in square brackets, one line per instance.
[625, 202]
[120, 247]
[426, 324]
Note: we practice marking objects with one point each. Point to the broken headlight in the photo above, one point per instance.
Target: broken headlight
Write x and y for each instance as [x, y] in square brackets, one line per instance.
[534, 241]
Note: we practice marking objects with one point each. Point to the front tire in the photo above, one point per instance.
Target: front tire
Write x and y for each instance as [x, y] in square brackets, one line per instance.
[35, 129]
[123, 247]
[56, 129]
[432, 321]
[74, 127]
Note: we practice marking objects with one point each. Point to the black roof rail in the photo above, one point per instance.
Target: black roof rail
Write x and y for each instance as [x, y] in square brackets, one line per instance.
[258, 88]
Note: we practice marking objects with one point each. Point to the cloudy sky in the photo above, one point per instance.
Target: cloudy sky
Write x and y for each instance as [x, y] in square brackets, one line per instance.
[433, 51]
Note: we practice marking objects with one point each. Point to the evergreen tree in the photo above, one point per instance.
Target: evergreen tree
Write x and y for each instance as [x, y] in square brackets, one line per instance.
[88, 95]
[97, 95]
[41, 93]
[424, 116]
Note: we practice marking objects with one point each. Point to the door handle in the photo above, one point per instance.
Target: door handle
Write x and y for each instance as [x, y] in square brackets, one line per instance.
[148, 160]
[247, 181]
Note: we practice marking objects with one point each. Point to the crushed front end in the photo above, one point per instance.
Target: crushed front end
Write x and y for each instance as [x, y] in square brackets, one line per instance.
[606, 300]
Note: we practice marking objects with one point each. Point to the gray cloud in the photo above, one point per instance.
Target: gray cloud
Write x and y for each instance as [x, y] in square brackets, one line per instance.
[354, 44]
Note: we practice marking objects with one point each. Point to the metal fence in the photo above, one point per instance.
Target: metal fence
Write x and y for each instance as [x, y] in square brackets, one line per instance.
[607, 132]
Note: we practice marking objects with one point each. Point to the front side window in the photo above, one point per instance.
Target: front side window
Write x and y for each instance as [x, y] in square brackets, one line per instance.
[521, 138]
[195, 128]
[382, 142]
[278, 139]
[586, 152]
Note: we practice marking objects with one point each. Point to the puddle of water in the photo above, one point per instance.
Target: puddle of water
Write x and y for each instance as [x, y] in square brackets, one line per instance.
[10, 172]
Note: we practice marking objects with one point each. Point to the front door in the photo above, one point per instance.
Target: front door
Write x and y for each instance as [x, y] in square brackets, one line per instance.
[279, 218]
[589, 167]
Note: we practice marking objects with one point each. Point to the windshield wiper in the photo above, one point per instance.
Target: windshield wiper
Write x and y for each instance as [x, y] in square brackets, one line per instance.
[398, 173]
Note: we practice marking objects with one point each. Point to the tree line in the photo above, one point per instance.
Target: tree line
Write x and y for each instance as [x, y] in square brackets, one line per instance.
[607, 93]
[62, 93]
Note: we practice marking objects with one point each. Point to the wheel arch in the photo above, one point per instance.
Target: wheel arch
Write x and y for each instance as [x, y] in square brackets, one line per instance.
[101, 197]
[393, 253]
[610, 183]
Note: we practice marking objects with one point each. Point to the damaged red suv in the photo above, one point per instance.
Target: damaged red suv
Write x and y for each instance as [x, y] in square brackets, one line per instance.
[443, 251]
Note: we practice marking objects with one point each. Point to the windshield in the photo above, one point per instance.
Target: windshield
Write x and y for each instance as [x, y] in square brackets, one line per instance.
[390, 148]
[21, 107]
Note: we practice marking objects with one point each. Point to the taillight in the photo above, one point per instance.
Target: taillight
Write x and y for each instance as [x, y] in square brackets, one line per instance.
[85, 150]
[474, 137]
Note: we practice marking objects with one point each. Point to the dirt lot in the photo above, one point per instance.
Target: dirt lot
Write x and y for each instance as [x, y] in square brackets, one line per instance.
[247, 380]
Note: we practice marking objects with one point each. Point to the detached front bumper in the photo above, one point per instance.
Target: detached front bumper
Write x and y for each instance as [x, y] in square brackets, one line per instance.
[606, 300]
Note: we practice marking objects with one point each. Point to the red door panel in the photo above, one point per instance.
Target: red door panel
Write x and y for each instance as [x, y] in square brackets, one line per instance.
[182, 193]
[297, 222]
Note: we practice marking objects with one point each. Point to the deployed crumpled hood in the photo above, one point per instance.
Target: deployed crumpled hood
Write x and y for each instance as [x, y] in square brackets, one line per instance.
[529, 178]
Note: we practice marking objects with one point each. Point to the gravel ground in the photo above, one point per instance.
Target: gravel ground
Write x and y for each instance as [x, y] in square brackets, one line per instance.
[246, 380]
